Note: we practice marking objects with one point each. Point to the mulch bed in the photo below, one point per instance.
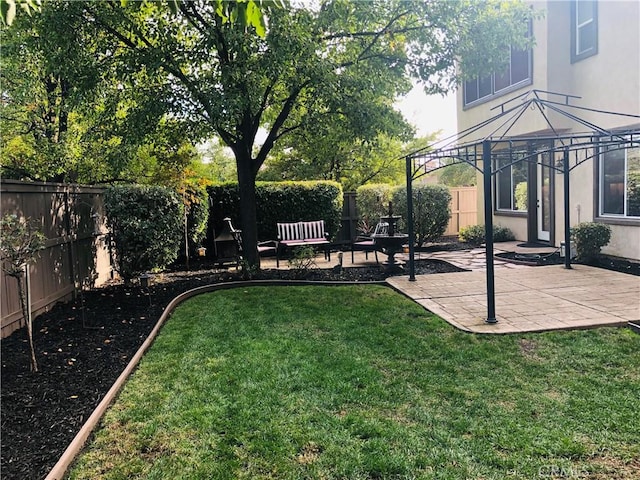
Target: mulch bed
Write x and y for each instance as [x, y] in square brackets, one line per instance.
[603, 261]
[83, 346]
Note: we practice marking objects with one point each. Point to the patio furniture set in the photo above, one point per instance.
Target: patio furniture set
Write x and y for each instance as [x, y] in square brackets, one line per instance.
[298, 234]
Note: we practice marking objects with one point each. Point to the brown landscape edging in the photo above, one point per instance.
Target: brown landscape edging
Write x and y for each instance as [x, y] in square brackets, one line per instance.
[60, 468]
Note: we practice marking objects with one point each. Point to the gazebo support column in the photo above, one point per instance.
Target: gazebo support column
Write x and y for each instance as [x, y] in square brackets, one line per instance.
[567, 211]
[488, 225]
[412, 267]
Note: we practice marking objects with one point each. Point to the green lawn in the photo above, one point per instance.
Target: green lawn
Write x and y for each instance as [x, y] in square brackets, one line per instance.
[356, 382]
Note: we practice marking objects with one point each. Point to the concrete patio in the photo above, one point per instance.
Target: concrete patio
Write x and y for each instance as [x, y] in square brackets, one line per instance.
[528, 299]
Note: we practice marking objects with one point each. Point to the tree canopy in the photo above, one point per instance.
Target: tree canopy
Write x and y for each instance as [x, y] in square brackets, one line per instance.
[334, 61]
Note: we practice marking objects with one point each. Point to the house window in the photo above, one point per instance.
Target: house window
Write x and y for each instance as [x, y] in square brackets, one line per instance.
[511, 185]
[584, 29]
[517, 73]
[620, 183]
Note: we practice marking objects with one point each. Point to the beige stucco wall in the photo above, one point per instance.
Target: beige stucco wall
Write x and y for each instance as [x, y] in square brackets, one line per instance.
[609, 80]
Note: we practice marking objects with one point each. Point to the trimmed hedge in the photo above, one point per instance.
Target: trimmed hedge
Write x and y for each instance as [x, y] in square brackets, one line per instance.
[280, 202]
[146, 224]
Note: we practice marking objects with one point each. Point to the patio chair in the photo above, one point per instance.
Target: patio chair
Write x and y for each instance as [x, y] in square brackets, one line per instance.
[366, 243]
[267, 248]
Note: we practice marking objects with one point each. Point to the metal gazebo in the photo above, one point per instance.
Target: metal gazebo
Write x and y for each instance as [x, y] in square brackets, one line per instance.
[499, 150]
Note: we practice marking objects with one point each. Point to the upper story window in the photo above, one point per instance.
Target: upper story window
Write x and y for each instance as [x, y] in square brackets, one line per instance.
[584, 29]
[517, 73]
[620, 183]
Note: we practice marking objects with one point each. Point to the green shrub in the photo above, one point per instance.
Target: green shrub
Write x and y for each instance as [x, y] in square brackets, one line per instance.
[589, 238]
[146, 224]
[280, 202]
[302, 260]
[372, 202]
[502, 234]
[197, 205]
[431, 211]
[475, 234]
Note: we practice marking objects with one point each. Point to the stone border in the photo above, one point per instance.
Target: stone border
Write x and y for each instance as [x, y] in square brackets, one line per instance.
[60, 468]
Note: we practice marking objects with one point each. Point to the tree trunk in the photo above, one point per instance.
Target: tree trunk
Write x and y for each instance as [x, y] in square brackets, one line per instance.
[248, 210]
[22, 294]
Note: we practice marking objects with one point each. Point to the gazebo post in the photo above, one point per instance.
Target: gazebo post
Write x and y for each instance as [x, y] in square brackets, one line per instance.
[567, 211]
[412, 269]
[488, 225]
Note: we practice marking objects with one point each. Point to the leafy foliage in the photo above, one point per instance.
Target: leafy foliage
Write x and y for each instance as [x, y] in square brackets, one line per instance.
[21, 242]
[459, 175]
[431, 210]
[372, 202]
[633, 192]
[475, 234]
[330, 152]
[197, 207]
[19, 246]
[302, 261]
[146, 226]
[589, 238]
[9, 8]
[521, 196]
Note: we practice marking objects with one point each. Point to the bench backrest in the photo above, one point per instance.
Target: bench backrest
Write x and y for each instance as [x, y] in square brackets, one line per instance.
[289, 231]
[301, 230]
[312, 229]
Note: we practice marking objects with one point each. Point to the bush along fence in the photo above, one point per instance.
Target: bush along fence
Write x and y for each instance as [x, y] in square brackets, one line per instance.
[146, 224]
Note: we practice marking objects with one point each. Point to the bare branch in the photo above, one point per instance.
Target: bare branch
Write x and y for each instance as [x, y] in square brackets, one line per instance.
[277, 124]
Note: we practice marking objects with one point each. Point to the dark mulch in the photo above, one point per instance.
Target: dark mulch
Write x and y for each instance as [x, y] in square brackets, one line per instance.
[83, 346]
[603, 261]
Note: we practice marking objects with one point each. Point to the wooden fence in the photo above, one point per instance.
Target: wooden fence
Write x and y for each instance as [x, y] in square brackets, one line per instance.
[464, 209]
[76, 253]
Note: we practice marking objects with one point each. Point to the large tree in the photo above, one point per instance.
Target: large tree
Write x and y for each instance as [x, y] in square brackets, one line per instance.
[315, 62]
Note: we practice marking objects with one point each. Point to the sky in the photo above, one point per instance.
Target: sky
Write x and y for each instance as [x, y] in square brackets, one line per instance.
[429, 113]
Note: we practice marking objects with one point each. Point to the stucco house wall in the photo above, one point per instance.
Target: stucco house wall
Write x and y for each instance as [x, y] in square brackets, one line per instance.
[606, 81]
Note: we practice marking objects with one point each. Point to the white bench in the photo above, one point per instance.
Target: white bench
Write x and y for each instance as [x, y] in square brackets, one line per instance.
[298, 234]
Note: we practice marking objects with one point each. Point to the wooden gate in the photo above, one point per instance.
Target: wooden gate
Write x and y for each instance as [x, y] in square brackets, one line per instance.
[464, 208]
